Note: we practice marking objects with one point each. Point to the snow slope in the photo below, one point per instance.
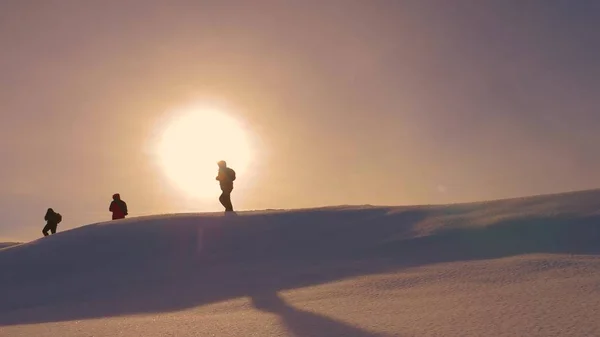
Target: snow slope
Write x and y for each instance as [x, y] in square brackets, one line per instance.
[517, 267]
[7, 244]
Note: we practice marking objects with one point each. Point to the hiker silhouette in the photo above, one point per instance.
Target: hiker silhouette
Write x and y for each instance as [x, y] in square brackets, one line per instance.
[52, 220]
[226, 177]
[118, 207]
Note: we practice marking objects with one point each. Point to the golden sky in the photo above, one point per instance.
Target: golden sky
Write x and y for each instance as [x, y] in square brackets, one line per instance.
[345, 102]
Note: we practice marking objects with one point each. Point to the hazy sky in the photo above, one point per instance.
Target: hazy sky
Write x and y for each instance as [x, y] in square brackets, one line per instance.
[349, 102]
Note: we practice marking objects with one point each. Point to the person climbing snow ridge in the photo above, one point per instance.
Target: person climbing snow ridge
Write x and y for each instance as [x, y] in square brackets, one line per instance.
[52, 220]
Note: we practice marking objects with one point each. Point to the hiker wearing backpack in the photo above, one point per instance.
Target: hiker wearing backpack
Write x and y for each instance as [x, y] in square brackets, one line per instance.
[52, 220]
[226, 177]
[118, 207]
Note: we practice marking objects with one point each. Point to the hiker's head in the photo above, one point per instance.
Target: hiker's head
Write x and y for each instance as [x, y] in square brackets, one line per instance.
[116, 196]
[222, 164]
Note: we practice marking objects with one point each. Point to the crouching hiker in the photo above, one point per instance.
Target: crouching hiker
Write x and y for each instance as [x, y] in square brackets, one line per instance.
[52, 220]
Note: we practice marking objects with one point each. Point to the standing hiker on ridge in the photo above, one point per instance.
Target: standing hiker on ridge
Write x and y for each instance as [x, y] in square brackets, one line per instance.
[118, 207]
[226, 177]
[52, 220]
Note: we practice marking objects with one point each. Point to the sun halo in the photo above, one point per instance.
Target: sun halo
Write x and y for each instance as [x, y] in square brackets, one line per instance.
[191, 144]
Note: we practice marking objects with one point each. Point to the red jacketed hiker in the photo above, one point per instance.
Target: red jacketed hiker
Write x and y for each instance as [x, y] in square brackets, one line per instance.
[118, 207]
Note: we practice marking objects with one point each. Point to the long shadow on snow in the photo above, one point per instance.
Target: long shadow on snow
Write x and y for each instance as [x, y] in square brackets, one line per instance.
[238, 258]
[304, 323]
[86, 273]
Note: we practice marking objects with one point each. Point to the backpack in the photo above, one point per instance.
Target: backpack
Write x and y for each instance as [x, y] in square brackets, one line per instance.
[58, 218]
[231, 174]
[123, 205]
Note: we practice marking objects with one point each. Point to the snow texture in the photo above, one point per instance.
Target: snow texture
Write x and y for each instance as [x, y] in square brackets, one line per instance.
[517, 267]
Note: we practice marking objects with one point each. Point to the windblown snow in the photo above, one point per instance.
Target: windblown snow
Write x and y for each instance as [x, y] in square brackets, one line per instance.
[517, 267]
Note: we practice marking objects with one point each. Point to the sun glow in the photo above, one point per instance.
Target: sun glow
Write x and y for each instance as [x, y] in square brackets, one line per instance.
[193, 141]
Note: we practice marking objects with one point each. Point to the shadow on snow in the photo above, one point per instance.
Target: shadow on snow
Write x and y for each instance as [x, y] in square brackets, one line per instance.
[178, 262]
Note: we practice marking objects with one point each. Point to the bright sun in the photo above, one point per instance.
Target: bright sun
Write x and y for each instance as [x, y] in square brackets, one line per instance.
[192, 143]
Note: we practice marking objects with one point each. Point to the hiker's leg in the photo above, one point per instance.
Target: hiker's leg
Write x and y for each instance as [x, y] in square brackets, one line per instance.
[229, 204]
[46, 229]
[223, 200]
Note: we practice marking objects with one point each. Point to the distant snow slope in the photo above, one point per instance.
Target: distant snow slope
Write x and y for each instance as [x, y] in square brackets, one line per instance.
[7, 244]
[518, 267]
